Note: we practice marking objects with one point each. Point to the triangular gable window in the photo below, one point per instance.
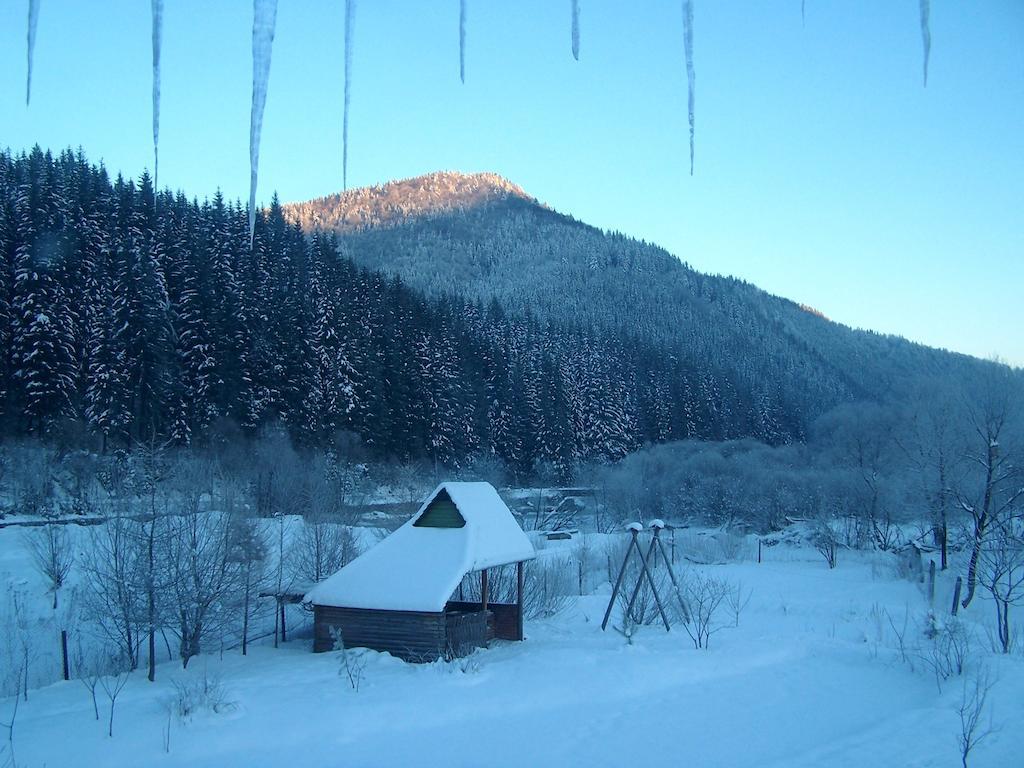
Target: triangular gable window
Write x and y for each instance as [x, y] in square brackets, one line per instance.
[441, 513]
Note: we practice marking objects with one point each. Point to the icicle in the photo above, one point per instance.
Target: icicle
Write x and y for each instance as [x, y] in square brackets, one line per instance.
[688, 46]
[926, 35]
[33, 22]
[158, 31]
[350, 10]
[462, 40]
[576, 29]
[264, 19]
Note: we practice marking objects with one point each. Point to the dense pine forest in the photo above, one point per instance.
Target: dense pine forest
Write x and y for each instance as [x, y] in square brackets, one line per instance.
[129, 315]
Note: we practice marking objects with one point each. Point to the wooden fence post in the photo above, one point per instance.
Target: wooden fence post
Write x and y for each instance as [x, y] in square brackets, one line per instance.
[931, 582]
[64, 653]
[519, 590]
[956, 593]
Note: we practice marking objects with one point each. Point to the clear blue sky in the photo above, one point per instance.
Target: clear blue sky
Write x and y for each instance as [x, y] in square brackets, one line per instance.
[824, 171]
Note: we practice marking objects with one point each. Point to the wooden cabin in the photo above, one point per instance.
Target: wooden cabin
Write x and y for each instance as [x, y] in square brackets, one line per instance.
[398, 596]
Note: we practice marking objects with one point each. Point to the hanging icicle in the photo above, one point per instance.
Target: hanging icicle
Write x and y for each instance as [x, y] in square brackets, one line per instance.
[926, 35]
[576, 29]
[688, 46]
[158, 32]
[33, 22]
[350, 10]
[264, 19]
[462, 40]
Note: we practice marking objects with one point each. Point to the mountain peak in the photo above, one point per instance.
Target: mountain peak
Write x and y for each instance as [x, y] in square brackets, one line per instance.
[404, 199]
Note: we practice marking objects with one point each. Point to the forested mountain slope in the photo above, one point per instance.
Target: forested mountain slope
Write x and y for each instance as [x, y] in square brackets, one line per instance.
[790, 362]
[130, 316]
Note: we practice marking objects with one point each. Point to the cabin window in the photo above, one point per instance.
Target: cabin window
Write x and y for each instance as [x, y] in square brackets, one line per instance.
[441, 513]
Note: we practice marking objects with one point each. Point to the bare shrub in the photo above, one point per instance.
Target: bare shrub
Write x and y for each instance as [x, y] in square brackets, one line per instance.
[732, 545]
[204, 694]
[825, 539]
[50, 549]
[948, 648]
[353, 660]
[549, 586]
[704, 596]
[737, 600]
[899, 632]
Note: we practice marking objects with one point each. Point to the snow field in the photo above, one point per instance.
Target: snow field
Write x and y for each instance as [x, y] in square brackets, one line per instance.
[809, 677]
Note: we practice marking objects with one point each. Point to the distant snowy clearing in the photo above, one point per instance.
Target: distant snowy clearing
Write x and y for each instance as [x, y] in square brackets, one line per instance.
[809, 678]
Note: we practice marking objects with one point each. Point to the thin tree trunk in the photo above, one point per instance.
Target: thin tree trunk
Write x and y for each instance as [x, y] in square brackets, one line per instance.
[980, 525]
[245, 616]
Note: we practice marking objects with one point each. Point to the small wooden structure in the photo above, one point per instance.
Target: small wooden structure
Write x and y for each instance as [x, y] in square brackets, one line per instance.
[397, 596]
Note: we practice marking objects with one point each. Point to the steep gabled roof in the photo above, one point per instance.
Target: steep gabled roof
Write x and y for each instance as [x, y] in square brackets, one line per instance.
[419, 566]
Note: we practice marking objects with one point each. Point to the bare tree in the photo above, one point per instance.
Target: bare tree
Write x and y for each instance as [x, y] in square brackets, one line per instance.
[89, 671]
[13, 671]
[931, 445]
[972, 712]
[992, 488]
[322, 548]
[204, 575]
[1002, 573]
[111, 567]
[861, 437]
[112, 684]
[49, 546]
[248, 548]
[150, 536]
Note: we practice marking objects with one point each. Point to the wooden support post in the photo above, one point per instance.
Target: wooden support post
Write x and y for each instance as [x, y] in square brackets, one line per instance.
[483, 589]
[618, 581]
[519, 599]
[640, 580]
[931, 582]
[650, 580]
[672, 575]
[284, 629]
[956, 594]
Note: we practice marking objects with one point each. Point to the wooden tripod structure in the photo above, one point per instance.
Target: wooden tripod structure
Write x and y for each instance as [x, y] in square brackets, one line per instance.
[656, 547]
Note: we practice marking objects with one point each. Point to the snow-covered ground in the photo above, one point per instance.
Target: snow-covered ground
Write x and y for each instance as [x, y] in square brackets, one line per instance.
[810, 677]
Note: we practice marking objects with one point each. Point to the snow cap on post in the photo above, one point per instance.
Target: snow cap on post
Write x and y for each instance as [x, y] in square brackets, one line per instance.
[635, 527]
[657, 524]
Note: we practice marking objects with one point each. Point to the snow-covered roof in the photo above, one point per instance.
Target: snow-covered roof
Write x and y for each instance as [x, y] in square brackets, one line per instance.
[418, 567]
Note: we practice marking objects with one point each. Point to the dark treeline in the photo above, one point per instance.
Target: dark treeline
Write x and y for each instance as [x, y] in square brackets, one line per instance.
[129, 316]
